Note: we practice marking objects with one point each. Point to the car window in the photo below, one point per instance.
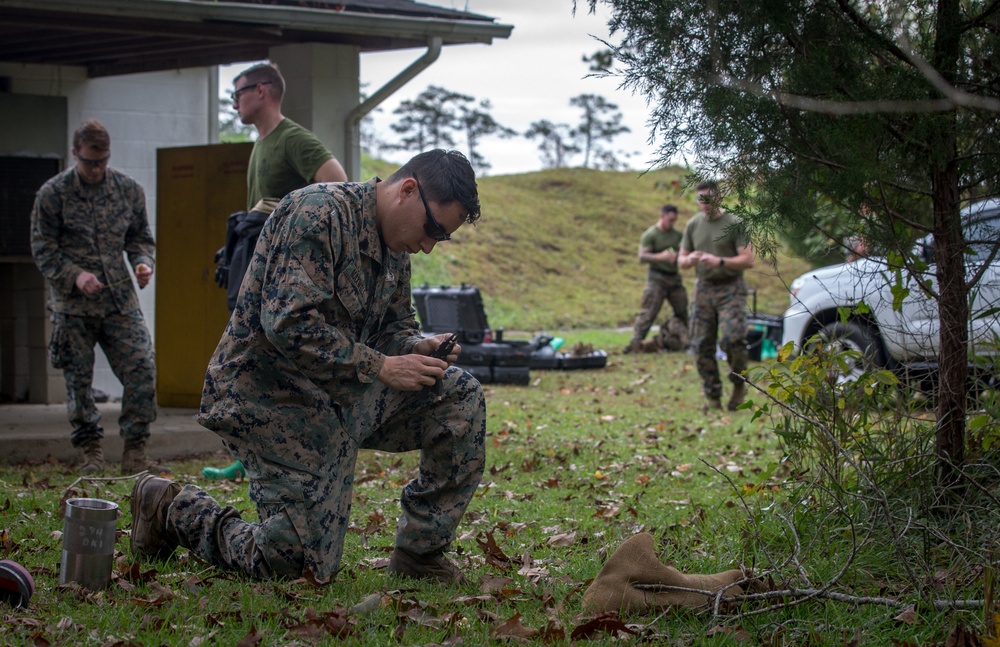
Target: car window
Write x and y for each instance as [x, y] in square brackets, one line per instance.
[983, 235]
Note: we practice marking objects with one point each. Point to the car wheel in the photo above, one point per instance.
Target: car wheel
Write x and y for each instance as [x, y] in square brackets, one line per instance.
[839, 337]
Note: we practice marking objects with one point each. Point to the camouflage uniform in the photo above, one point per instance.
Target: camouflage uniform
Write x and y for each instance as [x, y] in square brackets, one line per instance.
[663, 283]
[660, 286]
[292, 390]
[78, 227]
[719, 304]
[719, 307]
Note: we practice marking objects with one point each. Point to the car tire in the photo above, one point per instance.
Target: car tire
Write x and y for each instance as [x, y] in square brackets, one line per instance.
[837, 337]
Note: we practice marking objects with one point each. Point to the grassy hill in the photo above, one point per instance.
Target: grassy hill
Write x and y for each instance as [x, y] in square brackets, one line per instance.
[556, 249]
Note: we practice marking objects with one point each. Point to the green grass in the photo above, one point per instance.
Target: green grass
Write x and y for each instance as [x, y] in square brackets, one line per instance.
[557, 249]
[577, 462]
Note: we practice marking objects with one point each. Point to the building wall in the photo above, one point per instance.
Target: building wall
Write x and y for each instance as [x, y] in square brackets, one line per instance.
[143, 112]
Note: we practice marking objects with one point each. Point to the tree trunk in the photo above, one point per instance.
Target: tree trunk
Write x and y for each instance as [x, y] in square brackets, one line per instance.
[953, 304]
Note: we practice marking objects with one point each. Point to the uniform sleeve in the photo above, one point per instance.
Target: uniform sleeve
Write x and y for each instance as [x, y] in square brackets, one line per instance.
[46, 218]
[306, 154]
[400, 332]
[299, 282]
[645, 241]
[686, 243]
[139, 243]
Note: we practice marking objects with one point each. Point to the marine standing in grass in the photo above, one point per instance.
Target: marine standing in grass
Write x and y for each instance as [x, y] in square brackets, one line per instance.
[322, 357]
[82, 221]
[712, 245]
[659, 246]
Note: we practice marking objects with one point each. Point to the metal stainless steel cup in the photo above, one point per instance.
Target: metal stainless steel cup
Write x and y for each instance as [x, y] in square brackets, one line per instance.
[88, 542]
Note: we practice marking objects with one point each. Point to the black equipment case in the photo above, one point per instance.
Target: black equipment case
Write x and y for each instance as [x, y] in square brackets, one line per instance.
[459, 309]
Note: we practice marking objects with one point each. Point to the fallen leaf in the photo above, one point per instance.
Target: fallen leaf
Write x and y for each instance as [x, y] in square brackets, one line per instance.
[512, 628]
[909, 617]
[564, 539]
[603, 624]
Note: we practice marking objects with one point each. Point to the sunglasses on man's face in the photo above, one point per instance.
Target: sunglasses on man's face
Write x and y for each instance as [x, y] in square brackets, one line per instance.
[95, 163]
[432, 227]
[235, 96]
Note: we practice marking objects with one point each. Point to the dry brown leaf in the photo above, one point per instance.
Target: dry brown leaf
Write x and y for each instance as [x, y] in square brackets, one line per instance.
[252, 639]
[564, 539]
[908, 616]
[512, 628]
[608, 623]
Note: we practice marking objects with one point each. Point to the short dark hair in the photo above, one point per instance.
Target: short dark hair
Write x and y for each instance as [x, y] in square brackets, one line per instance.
[265, 73]
[92, 133]
[708, 185]
[446, 176]
[668, 207]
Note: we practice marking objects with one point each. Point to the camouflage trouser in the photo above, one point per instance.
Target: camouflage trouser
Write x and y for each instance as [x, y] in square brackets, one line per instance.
[660, 287]
[127, 345]
[719, 308]
[302, 482]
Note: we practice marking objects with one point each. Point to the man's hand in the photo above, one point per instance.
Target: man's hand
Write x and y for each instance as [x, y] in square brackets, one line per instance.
[411, 372]
[707, 260]
[88, 283]
[428, 345]
[143, 273]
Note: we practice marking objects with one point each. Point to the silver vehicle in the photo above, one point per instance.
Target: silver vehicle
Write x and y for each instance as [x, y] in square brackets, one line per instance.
[903, 339]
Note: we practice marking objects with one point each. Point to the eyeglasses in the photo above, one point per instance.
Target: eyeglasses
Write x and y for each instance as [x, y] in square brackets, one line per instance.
[98, 163]
[235, 96]
[432, 227]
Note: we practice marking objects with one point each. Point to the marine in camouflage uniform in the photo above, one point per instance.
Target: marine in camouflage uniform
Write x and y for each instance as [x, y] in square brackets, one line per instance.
[82, 221]
[712, 245]
[322, 357]
[658, 246]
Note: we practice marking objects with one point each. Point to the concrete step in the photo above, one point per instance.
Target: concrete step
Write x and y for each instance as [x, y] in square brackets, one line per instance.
[37, 432]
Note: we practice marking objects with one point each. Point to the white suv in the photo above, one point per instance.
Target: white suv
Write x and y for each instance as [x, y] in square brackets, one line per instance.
[904, 339]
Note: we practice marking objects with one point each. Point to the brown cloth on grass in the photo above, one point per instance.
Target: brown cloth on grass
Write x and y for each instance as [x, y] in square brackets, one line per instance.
[635, 562]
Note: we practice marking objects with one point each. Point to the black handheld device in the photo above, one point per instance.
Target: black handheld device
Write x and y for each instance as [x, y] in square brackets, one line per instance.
[441, 352]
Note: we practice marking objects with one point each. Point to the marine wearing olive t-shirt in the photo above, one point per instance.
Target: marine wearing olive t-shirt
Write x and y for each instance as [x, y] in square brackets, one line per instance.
[285, 160]
[715, 237]
[656, 240]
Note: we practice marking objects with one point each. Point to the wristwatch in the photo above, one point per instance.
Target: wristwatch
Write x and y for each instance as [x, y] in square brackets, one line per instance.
[722, 261]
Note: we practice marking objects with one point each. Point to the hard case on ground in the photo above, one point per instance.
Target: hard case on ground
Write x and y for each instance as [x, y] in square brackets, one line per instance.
[496, 363]
[458, 309]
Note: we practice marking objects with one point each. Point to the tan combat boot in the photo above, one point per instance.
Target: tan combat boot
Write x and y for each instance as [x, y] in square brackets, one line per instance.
[93, 457]
[435, 566]
[135, 460]
[151, 499]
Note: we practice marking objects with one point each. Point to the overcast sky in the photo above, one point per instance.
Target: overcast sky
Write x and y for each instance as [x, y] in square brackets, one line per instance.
[528, 77]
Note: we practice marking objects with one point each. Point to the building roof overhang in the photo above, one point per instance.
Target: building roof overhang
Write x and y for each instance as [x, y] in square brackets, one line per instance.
[112, 37]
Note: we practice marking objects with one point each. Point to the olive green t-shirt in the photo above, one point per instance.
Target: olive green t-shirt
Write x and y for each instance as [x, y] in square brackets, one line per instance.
[655, 240]
[285, 160]
[715, 237]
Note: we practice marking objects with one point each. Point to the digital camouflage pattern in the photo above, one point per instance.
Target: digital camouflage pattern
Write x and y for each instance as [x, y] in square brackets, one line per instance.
[292, 390]
[77, 227]
[125, 340]
[660, 287]
[718, 318]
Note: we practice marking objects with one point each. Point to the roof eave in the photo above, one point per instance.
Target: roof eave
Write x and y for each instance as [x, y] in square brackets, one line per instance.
[397, 29]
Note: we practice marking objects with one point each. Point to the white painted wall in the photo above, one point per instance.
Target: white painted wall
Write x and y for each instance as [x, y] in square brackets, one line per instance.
[143, 112]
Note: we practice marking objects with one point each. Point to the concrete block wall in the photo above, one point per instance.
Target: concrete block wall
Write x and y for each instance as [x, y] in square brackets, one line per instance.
[143, 112]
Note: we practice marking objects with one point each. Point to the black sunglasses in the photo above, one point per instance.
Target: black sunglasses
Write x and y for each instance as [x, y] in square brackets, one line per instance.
[432, 227]
[98, 163]
[235, 96]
